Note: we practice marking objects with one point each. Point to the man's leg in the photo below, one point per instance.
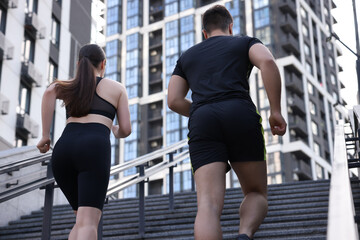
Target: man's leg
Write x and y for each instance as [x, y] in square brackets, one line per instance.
[210, 188]
[253, 181]
[86, 226]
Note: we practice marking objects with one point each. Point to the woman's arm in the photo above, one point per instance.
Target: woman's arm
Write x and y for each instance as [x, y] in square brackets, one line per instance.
[123, 115]
[47, 114]
[177, 91]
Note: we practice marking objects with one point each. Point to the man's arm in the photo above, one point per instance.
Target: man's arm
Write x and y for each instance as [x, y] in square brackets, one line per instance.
[177, 91]
[261, 57]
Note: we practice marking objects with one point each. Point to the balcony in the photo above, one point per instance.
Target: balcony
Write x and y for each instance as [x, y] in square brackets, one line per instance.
[288, 24]
[26, 125]
[290, 44]
[34, 26]
[293, 83]
[288, 6]
[4, 104]
[155, 77]
[155, 60]
[155, 114]
[155, 133]
[297, 104]
[6, 48]
[298, 124]
[156, 12]
[302, 169]
[30, 73]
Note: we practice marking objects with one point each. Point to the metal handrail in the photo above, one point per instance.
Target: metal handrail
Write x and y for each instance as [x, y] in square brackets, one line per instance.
[341, 214]
[138, 178]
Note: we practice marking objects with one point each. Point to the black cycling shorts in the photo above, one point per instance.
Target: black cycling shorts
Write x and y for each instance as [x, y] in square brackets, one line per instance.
[225, 131]
[81, 164]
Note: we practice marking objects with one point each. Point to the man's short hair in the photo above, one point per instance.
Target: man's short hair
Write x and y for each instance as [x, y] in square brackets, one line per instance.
[217, 17]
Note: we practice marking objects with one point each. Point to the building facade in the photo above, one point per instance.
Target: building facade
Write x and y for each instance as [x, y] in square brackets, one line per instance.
[145, 38]
[39, 42]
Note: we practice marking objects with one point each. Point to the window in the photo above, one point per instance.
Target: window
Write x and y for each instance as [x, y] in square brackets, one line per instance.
[260, 3]
[305, 31]
[133, 14]
[182, 181]
[264, 35]
[3, 14]
[171, 7]
[317, 148]
[52, 72]
[312, 108]
[303, 13]
[113, 3]
[55, 32]
[307, 49]
[319, 171]
[314, 128]
[130, 192]
[333, 79]
[186, 4]
[112, 48]
[31, 6]
[113, 15]
[20, 141]
[28, 49]
[261, 17]
[331, 62]
[24, 98]
[112, 29]
[310, 88]
[171, 29]
[309, 68]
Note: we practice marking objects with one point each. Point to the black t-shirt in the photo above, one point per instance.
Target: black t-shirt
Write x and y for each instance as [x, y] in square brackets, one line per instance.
[217, 69]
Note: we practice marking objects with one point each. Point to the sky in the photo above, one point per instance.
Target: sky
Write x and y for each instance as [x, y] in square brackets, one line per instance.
[345, 29]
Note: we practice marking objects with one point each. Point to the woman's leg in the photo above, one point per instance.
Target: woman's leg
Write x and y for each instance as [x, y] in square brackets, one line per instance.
[86, 226]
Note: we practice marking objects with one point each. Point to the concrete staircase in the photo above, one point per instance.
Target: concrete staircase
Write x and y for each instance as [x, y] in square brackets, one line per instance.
[297, 211]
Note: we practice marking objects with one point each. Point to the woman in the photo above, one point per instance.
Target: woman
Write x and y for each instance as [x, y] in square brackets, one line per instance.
[81, 157]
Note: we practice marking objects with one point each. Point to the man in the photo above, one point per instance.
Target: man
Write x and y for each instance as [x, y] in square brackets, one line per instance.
[224, 124]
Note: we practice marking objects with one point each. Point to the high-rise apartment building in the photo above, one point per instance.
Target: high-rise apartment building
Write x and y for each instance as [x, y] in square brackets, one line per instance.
[39, 41]
[145, 38]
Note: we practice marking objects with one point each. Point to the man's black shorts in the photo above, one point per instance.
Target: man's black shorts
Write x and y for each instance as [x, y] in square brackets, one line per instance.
[225, 131]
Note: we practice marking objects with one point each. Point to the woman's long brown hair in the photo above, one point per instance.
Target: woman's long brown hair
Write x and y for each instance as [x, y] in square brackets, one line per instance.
[78, 93]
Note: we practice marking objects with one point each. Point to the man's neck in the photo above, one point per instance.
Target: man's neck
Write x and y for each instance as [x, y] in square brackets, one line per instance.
[215, 33]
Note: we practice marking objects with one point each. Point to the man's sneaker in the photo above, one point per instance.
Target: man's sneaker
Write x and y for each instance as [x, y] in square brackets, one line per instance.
[243, 237]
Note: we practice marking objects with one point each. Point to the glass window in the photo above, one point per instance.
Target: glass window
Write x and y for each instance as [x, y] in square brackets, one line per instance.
[310, 88]
[132, 41]
[306, 49]
[305, 30]
[20, 140]
[186, 24]
[260, 3]
[261, 17]
[52, 72]
[112, 48]
[111, 65]
[331, 62]
[112, 29]
[171, 29]
[112, 3]
[3, 14]
[314, 128]
[133, 13]
[55, 32]
[130, 192]
[186, 4]
[319, 171]
[28, 49]
[333, 79]
[171, 7]
[309, 68]
[31, 6]
[264, 35]
[187, 40]
[172, 46]
[312, 107]
[303, 13]
[24, 99]
[317, 148]
[113, 15]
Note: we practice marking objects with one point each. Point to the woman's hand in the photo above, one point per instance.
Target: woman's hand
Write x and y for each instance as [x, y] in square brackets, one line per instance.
[44, 144]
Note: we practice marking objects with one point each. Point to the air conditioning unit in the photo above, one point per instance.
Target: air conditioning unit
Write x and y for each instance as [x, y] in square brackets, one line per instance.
[4, 104]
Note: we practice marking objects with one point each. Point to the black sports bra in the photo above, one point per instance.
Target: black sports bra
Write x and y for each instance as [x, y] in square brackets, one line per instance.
[100, 106]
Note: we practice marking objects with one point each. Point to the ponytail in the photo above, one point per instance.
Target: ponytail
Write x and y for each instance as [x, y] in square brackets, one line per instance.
[78, 93]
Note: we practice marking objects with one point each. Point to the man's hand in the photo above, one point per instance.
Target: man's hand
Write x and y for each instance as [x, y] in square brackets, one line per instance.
[277, 124]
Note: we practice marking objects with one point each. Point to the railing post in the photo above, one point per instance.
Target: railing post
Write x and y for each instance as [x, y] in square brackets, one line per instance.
[48, 205]
[171, 181]
[142, 202]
